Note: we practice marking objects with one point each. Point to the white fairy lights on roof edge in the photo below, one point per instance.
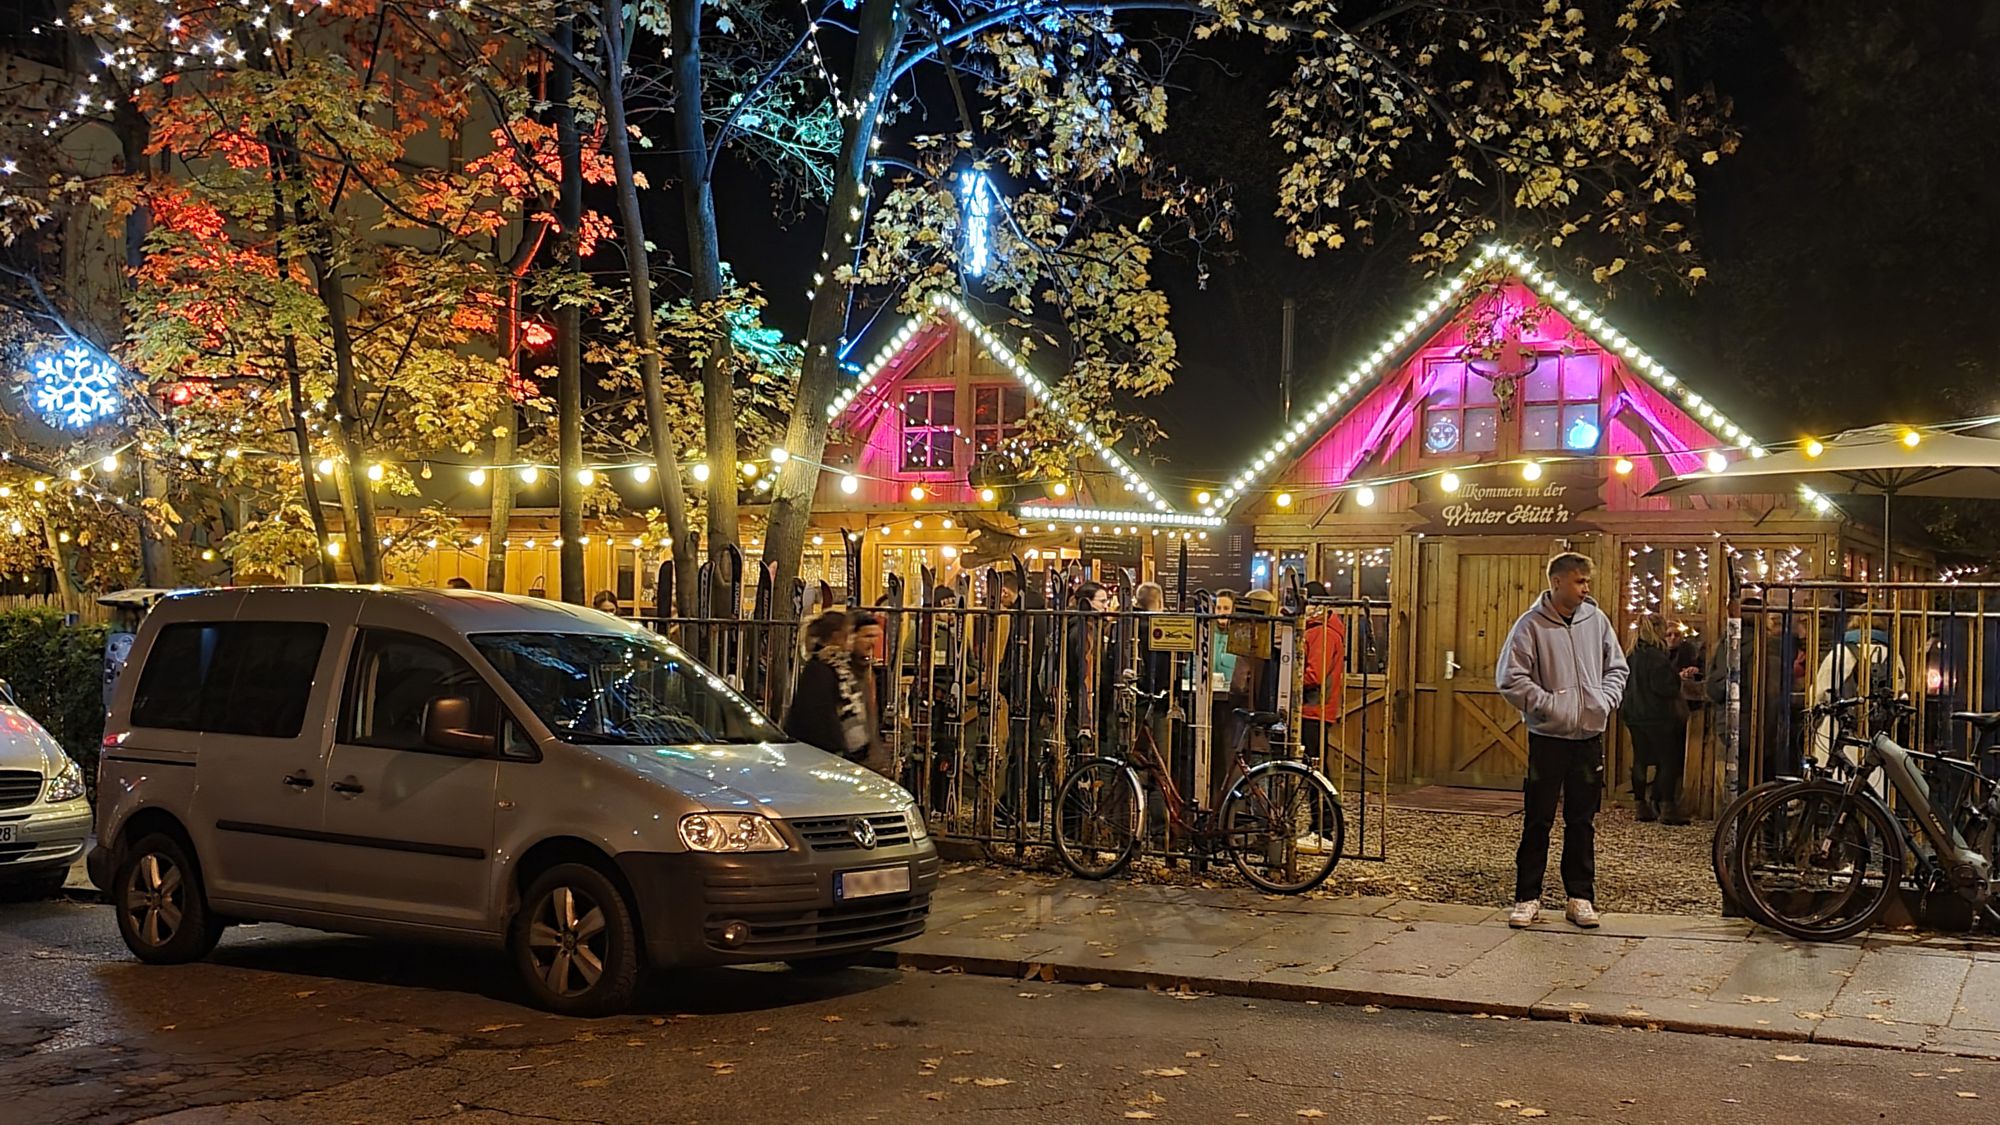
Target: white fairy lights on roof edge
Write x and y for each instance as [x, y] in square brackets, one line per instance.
[1007, 359]
[1545, 287]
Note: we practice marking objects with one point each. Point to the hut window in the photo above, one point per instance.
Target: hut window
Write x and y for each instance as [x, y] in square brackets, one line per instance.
[1561, 404]
[996, 416]
[1461, 414]
[928, 428]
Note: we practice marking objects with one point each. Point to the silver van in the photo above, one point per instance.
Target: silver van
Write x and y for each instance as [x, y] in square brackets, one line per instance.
[475, 767]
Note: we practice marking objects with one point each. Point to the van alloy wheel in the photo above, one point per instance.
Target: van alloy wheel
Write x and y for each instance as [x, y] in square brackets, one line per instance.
[155, 898]
[568, 941]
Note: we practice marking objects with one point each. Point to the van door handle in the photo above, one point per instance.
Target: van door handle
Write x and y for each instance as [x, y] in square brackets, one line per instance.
[346, 785]
[298, 780]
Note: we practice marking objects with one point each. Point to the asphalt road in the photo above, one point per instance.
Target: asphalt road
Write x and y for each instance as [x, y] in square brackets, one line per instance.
[285, 1025]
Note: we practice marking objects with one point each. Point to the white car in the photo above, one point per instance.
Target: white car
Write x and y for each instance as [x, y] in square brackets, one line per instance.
[44, 818]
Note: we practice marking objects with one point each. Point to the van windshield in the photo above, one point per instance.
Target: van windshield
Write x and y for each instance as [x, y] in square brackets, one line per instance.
[622, 690]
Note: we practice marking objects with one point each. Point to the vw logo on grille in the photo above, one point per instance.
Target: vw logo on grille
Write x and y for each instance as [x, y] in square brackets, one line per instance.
[864, 832]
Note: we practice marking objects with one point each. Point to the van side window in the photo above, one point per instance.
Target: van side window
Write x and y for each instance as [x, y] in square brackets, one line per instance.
[395, 677]
[230, 677]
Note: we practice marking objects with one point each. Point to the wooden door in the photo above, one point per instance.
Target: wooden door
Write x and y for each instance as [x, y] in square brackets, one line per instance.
[1469, 593]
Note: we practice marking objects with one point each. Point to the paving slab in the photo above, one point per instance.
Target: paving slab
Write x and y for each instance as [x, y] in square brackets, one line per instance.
[1669, 967]
[1850, 1031]
[1433, 949]
[1416, 910]
[1700, 1015]
[1905, 987]
[1979, 1000]
[1306, 950]
[1673, 925]
[1800, 975]
[1556, 961]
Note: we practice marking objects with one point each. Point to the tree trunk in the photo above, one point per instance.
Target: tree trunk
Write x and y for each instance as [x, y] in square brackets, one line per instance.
[569, 327]
[705, 269]
[502, 480]
[883, 23]
[302, 443]
[361, 536]
[638, 264]
[156, 556]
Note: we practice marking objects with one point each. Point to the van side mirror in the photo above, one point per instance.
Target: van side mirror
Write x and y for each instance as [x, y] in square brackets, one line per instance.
[446, 722]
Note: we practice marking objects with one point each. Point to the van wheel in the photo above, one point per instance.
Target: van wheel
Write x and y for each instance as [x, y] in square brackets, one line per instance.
[162, 912]
[574, 942]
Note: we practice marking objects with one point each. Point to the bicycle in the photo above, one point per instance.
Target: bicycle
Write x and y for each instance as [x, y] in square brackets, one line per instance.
[1820, 859]
[1281, 821]
[1723, 847]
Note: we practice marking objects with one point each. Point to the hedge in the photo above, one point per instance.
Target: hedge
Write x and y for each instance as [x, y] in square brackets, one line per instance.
[57, 673]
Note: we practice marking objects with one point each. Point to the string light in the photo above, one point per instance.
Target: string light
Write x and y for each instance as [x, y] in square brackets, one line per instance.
[699, 471]
[478, 477]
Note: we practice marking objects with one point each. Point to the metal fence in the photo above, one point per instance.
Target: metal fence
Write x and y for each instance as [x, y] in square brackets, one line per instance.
[1802, 643]
[987, 698]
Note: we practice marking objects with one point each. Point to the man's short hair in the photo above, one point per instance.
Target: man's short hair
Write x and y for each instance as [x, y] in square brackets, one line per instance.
[861, 619]
[1010, 579]
[1230, 594]
[1569, 562]
[825, 627]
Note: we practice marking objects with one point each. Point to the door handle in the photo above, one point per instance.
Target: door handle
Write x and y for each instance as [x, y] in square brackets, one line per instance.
[298, 780]
[346, 785]
[1451, 664]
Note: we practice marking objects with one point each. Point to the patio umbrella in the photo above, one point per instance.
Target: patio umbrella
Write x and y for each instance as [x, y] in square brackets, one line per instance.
[1875, 461]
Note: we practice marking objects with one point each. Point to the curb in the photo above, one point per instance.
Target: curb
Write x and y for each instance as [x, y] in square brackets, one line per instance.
[1016, 969]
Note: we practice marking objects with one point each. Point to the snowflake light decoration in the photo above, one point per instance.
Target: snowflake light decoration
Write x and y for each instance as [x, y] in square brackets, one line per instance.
[76, 387]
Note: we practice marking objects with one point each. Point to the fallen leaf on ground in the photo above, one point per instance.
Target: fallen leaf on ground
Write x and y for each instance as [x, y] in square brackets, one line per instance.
[593, 1083]
[1371, 1009]
[1312, 1113]
[1438, 1117]
[934, 1096]
[1954, 1070]
[1760, 999]
[1791, 1058]
[306, 993]
[1167, 1072]
[498, 1026]
[1532, 1112]
[1967, 1094]
[1094, 986]
[832, 1019]
[991, 1082]
[1195, 1055]
[1509, 1103]
[1140, 1115]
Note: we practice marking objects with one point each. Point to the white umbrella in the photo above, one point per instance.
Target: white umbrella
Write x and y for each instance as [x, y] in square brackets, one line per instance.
[1885, 461]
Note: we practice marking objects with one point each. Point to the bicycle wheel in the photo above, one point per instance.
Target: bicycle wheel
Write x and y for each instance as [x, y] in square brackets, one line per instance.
[1284, 827]
[1723, 848]
[1818, 863]
[1100, 818]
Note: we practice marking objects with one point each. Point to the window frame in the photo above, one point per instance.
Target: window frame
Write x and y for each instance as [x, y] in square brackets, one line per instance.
[1459, 409]
[343, 735]
[200, 724]
[1005, 428]
[1563, 404]
[937, 435]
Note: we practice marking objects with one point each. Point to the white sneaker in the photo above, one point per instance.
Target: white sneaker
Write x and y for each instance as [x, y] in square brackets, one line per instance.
[1581, 913]
[1524, 914]
[1312, 843]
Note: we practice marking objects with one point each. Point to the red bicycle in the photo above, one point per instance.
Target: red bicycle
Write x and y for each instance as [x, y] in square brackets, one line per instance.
[1281, 821]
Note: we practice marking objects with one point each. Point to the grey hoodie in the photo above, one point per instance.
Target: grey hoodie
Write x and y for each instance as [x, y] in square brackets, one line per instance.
[1565, 677]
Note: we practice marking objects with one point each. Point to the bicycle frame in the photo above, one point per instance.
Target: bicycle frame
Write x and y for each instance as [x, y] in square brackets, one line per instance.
[1967, 869]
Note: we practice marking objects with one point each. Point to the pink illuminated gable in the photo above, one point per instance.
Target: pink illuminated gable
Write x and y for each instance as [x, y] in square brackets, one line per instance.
[1383, 432]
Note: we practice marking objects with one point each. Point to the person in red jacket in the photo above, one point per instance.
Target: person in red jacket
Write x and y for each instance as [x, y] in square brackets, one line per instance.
[1325, 656]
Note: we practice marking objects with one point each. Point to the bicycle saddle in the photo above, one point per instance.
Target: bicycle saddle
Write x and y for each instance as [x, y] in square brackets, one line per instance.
[1269, 720]
[1979, 720]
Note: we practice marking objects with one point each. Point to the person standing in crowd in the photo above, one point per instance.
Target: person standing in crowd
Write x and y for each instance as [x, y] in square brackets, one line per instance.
[605, 602]
[829, 704]
[1156, 673]
[1656, 716]
[865, 648]
[1221, 713]
[1090, 671]
[457, 583]
[1562, 669]
[1324, 679]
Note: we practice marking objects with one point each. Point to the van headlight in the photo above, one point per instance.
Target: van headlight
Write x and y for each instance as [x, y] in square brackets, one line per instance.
[67, 784]
[914, 817]
[730, 832]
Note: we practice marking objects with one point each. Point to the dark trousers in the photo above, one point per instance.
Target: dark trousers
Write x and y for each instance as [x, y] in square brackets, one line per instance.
[1569, 771]
[1660, 751]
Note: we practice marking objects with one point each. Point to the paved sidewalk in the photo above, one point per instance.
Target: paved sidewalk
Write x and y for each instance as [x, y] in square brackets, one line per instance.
[1710, 975]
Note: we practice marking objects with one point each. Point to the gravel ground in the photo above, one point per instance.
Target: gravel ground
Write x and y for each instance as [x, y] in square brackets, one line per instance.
[1450, 857]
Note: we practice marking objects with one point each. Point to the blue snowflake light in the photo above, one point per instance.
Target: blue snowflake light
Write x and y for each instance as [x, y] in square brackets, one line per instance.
[75, 387]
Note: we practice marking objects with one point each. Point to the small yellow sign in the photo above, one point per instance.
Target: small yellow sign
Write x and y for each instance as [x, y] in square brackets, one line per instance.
[1171, 632]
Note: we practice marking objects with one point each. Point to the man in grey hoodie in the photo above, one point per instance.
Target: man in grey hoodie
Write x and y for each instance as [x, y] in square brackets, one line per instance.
[1563, 670]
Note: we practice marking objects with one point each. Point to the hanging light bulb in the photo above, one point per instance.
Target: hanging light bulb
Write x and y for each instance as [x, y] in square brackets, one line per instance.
[1203, 497]
[478, 478]
[110, 463]
[1448, 482]
[586, 477]
[917, 492]
[700, 470]
[850, 484]
[1531, 471]
[1814, 447]
[1911, 439]
[1622, 466]
[642, 473]
[376, 472]
[780, 455]
[333, 548]
[1285, 499]
[1717, 462]
[530, 474]
[325, 466]
[1059, 488]
[986, 495]
[750, 470]
[1364, 496]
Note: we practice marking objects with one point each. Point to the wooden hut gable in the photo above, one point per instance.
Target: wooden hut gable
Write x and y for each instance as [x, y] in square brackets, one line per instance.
[1565, 387]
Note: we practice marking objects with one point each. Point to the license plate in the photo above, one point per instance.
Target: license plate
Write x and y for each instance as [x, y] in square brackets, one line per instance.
[867, 884]
[6, 833]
